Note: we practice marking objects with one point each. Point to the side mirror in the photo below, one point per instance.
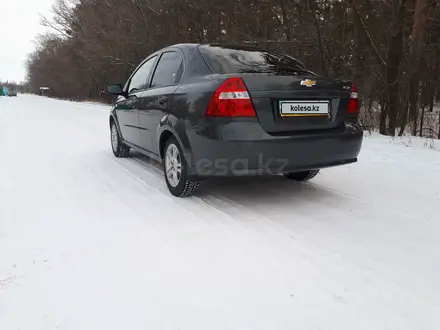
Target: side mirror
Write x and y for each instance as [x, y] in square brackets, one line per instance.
[115, 89]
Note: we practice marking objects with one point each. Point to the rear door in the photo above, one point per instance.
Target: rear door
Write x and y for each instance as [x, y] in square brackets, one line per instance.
[127, 109]
[158, 99]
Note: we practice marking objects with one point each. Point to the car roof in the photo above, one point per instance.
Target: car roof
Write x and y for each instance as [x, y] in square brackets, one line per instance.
[184, 46]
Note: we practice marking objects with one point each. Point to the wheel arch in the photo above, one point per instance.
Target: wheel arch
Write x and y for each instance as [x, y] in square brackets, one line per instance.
[112, 119]
[165, 132]
[164, 137]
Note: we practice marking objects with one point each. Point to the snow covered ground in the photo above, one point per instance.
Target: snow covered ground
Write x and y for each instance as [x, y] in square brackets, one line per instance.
[89, 242]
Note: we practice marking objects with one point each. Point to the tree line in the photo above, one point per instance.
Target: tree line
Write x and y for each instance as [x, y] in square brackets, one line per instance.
[389, 48]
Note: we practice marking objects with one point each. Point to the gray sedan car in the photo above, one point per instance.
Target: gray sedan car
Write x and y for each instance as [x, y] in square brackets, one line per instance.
[219, 110]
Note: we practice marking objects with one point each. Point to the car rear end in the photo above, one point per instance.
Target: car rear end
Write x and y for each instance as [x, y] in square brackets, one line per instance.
[267, 114]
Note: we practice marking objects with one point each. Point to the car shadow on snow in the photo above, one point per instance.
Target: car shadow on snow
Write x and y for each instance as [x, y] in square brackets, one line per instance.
[266, 191]
[261, 189]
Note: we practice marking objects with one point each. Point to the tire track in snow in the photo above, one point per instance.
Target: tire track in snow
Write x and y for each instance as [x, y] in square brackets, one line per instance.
[231, 208]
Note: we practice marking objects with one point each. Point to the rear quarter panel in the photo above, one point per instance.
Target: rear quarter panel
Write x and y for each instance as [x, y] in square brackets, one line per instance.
[187, 111]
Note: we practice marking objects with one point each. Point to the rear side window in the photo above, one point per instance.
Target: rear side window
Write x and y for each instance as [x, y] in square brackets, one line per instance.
[169, 70]
[227, 59]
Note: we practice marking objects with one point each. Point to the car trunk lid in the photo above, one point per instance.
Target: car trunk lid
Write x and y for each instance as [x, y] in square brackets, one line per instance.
[297, 104]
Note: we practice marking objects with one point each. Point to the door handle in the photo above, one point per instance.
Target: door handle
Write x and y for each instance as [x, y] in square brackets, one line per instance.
[162, 101]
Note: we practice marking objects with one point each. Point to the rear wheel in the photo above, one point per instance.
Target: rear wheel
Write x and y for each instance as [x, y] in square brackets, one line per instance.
[120, 150]
[302, 176]
[176, 171]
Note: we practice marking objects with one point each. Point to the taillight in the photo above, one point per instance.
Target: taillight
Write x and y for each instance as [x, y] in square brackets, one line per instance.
[231, 100]
[353, 104]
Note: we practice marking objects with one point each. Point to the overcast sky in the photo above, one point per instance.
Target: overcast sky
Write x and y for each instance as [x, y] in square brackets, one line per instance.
[20, 23]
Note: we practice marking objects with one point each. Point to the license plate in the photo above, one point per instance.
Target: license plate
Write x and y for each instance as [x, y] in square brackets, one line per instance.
[304, 108]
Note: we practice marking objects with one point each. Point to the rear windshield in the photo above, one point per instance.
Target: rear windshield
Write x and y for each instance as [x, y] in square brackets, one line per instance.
[227, 59]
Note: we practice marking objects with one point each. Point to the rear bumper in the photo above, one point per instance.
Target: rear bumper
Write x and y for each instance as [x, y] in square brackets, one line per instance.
[230, 152]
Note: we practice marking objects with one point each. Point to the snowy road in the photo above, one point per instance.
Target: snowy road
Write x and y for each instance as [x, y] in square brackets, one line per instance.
[91, 242]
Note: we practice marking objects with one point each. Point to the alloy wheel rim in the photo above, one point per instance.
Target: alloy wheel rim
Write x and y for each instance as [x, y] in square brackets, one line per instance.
[173, 165]
[114, 138]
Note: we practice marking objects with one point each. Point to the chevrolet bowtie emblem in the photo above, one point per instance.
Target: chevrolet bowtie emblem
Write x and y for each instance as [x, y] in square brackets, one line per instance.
[308, 83]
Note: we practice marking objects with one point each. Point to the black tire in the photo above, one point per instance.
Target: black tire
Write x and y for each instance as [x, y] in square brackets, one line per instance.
[185, 186]
[120, 150]
[302, 176]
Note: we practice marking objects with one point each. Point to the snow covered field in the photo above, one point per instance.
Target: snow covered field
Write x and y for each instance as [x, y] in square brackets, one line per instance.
[91, 242]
